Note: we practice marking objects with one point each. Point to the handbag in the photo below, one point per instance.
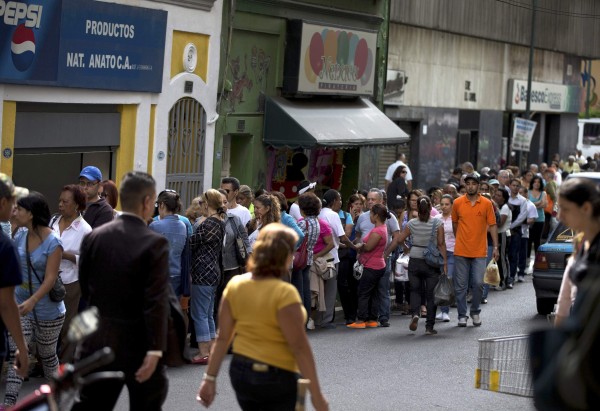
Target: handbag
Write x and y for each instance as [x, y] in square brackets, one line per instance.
[58, 291]
[432, 254]
[324, 267]
[492, 275]
[301, 254]
[241, 253]
[443, 292]
[359, 268]
[401, 271]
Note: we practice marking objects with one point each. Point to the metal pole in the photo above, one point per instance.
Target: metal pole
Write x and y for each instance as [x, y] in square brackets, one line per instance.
[589, 91]
[529, 73]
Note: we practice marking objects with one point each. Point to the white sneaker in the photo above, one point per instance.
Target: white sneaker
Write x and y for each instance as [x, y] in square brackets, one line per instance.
[439, 316]
[445, 317]
[476, 320]
[310, 325]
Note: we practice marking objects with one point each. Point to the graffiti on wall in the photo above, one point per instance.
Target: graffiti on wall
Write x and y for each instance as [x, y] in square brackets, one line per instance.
[249, 78]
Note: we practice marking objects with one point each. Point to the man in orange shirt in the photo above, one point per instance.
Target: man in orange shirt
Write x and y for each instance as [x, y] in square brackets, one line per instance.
[472, 214]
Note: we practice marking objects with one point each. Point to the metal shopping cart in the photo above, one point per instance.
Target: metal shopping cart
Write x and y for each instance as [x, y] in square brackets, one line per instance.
[503, 365]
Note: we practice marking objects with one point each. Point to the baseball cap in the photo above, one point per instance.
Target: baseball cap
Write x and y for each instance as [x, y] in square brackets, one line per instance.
[13, 190]
[305, 186]
[493, 181]
[472, 176]
[91, 173]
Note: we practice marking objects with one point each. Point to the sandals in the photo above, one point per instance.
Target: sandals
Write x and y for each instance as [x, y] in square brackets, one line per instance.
[200, 360]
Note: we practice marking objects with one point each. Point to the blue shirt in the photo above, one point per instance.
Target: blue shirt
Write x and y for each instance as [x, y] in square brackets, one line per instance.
[289, 221]
[186, 221]
[176, 233]
[45, 309]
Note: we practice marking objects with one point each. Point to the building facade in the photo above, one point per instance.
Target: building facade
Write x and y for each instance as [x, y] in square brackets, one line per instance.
[461, 69]
[130, 85]
[302, 84]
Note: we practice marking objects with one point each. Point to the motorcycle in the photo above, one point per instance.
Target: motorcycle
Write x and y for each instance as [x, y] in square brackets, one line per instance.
[62, 391]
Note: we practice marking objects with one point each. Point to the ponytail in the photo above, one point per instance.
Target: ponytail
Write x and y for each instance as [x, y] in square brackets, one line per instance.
[424, 208]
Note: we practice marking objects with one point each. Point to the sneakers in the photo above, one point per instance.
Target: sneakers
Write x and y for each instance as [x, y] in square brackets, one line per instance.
[372, 324]
[476, 320]
[359, 324]
[509, 286]
[462, 321]
[484, 301]
[310, 325]
[445, 317]
[414, 323]
[430, 331]
[439, 316]
[521, 278]
[384, 323]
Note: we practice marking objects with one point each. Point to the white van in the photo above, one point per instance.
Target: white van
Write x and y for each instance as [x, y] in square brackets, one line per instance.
[588, 139]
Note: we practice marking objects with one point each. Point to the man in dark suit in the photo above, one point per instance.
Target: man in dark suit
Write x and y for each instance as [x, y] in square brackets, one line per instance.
[123, 270]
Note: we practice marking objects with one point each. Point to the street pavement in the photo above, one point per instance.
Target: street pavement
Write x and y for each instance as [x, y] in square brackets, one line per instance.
[391, 368]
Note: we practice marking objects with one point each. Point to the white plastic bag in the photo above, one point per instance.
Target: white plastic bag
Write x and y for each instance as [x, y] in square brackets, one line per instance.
[401, 272]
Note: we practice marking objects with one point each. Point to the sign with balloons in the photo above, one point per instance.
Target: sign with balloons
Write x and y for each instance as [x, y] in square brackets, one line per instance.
[336, 60]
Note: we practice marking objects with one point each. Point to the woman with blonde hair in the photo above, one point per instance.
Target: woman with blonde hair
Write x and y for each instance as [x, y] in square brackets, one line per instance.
[266, 317]
[206, 244]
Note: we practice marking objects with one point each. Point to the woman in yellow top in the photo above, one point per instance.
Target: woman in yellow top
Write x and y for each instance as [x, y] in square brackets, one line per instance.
[266, 316]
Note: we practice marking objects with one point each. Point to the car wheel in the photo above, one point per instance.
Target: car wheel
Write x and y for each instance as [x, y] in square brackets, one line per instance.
[545, 305]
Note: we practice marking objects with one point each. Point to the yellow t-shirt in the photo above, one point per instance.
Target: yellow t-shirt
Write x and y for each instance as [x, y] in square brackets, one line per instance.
[254, 306]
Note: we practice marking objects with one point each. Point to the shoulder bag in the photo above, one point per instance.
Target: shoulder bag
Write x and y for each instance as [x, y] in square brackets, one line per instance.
[58, 291]
[324, 267]
[241, 253]
[301, 254]
[432, 254]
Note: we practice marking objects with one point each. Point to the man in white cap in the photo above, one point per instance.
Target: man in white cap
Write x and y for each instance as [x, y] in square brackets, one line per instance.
[390, 171]
[303, 187]
[97, 211]
[10, 277]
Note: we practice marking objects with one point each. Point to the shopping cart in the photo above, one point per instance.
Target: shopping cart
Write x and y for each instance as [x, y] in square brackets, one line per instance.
[503, 365]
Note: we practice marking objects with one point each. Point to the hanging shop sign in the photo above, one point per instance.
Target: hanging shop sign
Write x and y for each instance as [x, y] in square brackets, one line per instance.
[522, 134]
[329, 60]
[82, 43]
[545, 97]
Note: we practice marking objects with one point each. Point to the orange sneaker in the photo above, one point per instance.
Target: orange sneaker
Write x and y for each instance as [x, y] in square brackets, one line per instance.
[372, 324]
[357, 324]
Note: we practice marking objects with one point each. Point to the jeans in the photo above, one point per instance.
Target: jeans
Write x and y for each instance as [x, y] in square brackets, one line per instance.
[514, 252]
[368, 294]
[450, 273]
[176, 284]
[301, 280]
[202, 307]
[466, 269]
[503, 263]
[262, 389]
[348, 288]
[423, 279]
[384, 293]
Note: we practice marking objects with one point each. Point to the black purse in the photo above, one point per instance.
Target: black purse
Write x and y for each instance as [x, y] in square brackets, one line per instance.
[58, 291]
[241, 253]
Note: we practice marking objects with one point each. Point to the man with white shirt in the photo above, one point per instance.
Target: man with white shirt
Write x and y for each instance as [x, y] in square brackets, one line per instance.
[363, 226]
[532, 215]
[232, 186]
[330, 198]
[516, 252]
[390, 172]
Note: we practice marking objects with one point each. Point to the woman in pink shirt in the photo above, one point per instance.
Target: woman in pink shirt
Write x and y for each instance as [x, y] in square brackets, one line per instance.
[371, 256]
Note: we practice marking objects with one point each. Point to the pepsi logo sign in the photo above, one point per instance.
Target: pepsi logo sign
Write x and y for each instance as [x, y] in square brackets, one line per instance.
[22, 47]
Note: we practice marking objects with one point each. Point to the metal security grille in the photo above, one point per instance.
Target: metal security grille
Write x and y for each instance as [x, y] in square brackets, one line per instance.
[185, 159]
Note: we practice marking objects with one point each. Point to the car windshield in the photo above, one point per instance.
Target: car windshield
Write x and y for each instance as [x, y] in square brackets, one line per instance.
[561, 234]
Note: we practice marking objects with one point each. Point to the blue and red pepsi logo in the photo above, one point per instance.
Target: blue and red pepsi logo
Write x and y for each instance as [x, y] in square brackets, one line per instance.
[22, 47]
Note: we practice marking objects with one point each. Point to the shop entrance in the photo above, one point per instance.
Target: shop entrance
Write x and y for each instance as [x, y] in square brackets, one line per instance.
[185, 158]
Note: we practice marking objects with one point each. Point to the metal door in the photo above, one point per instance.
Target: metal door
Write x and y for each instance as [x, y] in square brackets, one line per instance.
[185, 159]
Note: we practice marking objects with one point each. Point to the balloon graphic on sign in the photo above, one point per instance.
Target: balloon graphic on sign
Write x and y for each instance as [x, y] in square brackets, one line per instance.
[342, 48]
[369, 69]
[352, 47]
[360, 57]
[316, 52]
[311, 76]
[331, 46]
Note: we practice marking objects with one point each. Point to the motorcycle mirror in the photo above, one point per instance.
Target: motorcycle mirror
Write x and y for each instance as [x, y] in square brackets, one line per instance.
[83, 324]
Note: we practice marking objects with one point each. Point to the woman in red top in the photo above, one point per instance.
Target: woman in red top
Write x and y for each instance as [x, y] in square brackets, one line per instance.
[371, 256]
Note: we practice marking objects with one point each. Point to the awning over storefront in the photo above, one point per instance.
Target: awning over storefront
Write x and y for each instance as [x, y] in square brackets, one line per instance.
[328, 123]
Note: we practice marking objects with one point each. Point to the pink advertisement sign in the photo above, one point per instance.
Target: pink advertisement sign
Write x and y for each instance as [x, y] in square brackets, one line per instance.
[336, 61]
